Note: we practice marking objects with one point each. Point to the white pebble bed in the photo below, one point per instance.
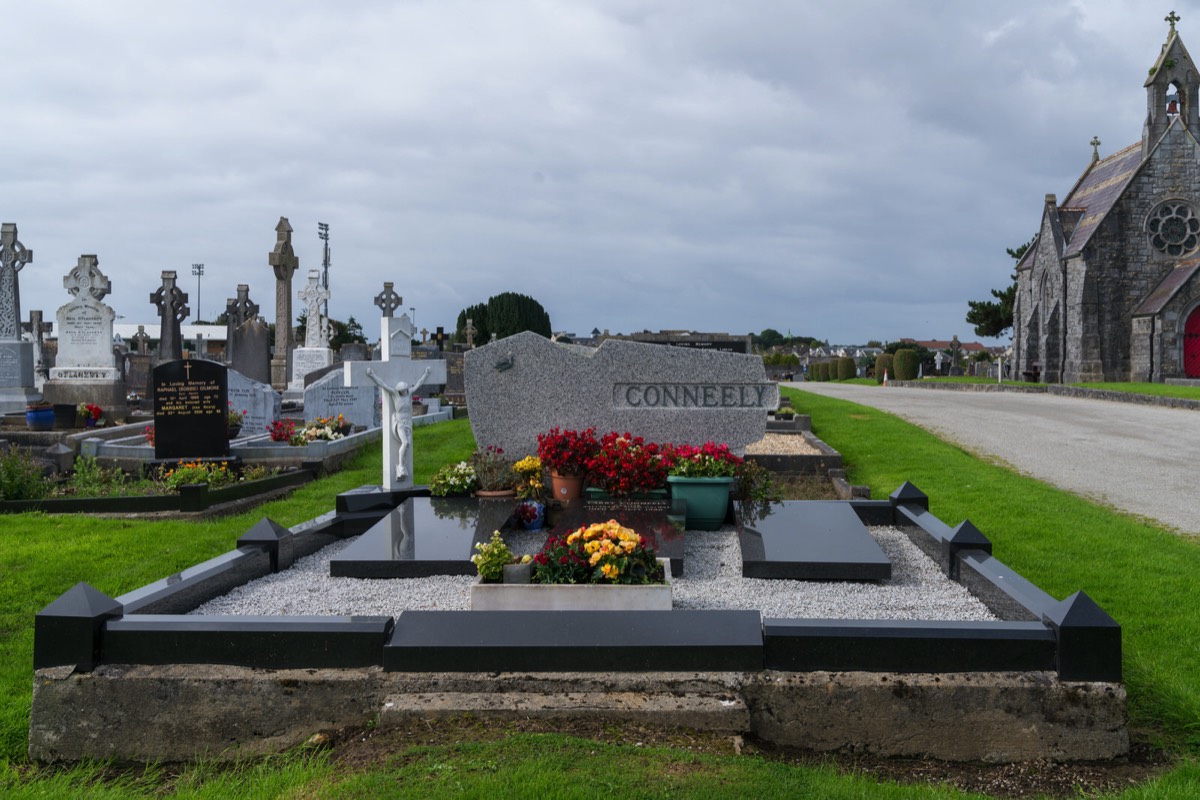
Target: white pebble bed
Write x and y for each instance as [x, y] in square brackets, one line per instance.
[713, 566]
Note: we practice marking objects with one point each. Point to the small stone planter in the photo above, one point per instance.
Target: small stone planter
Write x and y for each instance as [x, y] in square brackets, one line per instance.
[572, 597]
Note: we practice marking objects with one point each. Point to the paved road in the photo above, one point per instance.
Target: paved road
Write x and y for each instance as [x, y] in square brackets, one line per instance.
[1140, 459]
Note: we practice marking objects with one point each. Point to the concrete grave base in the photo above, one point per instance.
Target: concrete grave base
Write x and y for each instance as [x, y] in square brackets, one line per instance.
[177, 712]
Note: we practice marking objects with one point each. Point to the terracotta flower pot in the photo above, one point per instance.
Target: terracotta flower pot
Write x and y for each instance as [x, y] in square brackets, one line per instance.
[566, 487]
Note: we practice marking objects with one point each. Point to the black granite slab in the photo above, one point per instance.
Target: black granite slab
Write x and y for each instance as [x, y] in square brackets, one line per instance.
[907, 646]
[196, 585]
[567, 641]
[191, 409]
[658, 521]
[1089, 640]
[263, 642]
[811, 540]
[424, 536]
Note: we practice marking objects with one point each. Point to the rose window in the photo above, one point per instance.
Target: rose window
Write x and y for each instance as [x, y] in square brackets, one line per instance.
[1174, 228]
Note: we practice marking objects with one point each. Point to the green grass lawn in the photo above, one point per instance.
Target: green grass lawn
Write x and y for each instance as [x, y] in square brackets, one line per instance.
[1143, 575]
[1158, 389]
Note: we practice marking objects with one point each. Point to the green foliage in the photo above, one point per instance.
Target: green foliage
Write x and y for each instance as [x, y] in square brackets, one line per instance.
[767, 339]
[90, 479]
[345, 332]
[994, 317]
[883, 364]
[492, 557]
[907, 363]
[20, 476]
[818, 371]
[453, 479]
[846, 368]
[781, 360]
[504, 314]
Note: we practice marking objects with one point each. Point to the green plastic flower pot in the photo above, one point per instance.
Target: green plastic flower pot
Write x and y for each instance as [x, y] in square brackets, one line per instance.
[707, 500]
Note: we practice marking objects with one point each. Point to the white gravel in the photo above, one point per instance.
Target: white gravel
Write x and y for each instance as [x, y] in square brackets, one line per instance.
[917, 589]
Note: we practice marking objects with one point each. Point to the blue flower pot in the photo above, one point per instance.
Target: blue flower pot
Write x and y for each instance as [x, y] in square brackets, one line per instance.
[40, 419]
[707, 500]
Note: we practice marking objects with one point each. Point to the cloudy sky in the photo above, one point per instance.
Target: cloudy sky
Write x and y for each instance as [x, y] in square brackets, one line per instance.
[850, 170]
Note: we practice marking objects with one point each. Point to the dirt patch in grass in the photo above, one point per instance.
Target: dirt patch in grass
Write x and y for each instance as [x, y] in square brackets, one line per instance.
[366, 748]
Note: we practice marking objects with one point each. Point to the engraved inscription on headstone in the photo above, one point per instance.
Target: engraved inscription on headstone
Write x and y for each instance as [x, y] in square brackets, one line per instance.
[191, 406]
[85, 326]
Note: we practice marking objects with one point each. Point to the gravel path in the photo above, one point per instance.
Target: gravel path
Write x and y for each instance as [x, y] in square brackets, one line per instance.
[917, 590]
[1135, 458]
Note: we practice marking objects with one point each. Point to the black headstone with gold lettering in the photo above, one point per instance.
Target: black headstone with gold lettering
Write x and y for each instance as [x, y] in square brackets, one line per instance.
[191, 407]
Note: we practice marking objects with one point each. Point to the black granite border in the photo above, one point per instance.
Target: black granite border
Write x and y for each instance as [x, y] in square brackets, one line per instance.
[1075, 636]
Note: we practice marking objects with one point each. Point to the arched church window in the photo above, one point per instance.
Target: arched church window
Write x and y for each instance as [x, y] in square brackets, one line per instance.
[1174, 228]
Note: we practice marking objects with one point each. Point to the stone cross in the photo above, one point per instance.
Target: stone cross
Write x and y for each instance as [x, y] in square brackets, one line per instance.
[38, 330]
[938, 358]
[397, 380]
[1095, 143]
[439, 337]
[141, 340]
[13, 256]
[387, 300]
[1172, 18]
[87, 277]
[172, 310]
[424, 335]
[242, 309]
[284, 262]
[470, 332]
[316, 332]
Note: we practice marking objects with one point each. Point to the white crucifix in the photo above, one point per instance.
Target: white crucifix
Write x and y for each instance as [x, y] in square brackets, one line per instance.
[397, 380]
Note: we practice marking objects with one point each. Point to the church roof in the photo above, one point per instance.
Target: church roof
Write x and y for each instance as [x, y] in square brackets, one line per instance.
[1167, 287]
[1097, 191]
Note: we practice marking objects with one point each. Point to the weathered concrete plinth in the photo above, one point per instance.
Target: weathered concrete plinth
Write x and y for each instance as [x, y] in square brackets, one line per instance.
[174, 713]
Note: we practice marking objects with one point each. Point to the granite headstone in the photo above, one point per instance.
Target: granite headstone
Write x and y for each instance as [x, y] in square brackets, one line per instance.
[252, 350]
[525, 384]
[16, 356]
[329, 396]
[261, 404]
[171, 302]
[191, 407]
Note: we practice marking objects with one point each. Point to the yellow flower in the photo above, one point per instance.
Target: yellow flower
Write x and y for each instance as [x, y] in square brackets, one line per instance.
[610, 571]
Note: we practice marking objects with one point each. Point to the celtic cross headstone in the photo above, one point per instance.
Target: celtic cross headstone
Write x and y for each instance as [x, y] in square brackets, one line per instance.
[284, 263]
[171, 302]
[13, 256]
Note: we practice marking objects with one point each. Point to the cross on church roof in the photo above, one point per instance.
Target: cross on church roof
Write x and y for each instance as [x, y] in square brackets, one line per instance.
[1095, 143]
[1172, 18]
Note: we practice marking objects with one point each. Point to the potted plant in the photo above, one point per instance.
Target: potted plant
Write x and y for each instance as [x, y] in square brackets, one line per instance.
[493, 472]
[233, 422]
[453, 479]
[39, 416]
[703, 476]
[90, 413]
[600, 567]
[532, 512]
[566, 455]
[626, 465]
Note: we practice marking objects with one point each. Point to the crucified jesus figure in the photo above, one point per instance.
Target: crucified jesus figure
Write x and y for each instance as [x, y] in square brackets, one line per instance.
[399, 399]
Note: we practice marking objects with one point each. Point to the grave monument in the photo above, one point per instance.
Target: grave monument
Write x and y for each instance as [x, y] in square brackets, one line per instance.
[172, 310]
[525, 384]
[16, 356]
[191, 407]
[284, 263]
[85, 370]
[37, 330]
[315, 354]
[138, 363]
[247, 337]
[398, 378]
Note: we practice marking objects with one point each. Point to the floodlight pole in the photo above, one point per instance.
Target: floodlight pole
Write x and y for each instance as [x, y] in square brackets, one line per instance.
[323, 232]
[198, 271]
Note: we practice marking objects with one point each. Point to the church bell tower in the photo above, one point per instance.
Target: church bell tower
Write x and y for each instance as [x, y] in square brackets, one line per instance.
[1172, 90]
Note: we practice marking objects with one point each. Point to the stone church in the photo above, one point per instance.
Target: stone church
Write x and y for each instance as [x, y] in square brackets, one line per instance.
[1109, 290]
